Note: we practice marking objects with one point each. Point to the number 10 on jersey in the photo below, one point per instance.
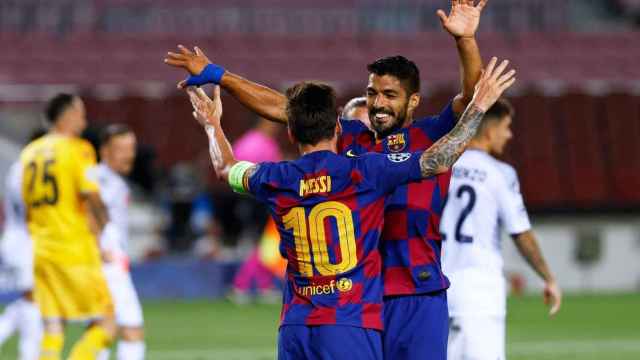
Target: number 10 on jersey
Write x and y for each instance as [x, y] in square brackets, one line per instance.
[311, 240]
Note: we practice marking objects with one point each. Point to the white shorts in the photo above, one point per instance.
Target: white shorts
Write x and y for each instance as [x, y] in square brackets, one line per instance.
[16, 251]
[125, 299]
[476, 337]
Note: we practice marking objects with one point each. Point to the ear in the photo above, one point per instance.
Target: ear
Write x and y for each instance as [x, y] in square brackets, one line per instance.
[414, 101]
[338, 127]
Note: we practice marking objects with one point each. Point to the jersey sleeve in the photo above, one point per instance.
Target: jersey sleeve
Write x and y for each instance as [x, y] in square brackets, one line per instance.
[388, 171]
[438, 126]
[261, 180]
[512, 210]
[351, 131]
[85, 171]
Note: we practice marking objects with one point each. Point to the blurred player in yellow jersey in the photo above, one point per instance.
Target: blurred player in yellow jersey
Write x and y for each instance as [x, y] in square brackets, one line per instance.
[64, 211]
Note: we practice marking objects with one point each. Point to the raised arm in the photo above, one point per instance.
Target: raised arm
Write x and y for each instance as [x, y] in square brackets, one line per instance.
[462, 23]
[260, 99]
[441, 155]
[208, 113]
[528, 247]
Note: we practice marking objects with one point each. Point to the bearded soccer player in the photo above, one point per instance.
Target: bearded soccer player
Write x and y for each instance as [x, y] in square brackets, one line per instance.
[60, 193]
[416, 318]
[118, 153]
[329, 212]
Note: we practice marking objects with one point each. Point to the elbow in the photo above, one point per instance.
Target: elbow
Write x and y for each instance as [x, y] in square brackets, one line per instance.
[442, 169]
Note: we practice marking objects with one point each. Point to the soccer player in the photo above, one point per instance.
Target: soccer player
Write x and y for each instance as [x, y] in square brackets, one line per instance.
[329, 212]
[60, 193]
[485, 198]
[17, 252]
[117, 154]
[416, 317]
[356, 109]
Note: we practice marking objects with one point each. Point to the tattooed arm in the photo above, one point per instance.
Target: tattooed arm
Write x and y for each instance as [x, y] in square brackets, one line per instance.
[441, 155]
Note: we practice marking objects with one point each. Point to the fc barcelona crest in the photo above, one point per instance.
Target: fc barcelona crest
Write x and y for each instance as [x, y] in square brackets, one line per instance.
[396, 142]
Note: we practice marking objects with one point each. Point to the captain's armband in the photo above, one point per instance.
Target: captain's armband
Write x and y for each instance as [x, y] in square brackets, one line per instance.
[237, 179]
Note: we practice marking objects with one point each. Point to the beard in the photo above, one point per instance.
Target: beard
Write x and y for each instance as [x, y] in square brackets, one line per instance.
[389, 127]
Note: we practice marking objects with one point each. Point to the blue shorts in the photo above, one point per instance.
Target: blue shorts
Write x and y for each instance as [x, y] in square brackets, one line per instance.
[416, 327]
[328, 342]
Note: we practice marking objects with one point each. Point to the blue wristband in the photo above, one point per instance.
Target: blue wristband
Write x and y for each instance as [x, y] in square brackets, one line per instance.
[211, 73]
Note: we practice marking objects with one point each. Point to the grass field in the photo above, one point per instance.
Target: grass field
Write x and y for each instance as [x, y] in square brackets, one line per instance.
[587, 328]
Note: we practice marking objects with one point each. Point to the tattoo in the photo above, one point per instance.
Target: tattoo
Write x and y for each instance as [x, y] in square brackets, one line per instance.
[441, 155]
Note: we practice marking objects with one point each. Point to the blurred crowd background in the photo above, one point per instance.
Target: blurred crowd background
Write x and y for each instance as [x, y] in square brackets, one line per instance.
[576, 128]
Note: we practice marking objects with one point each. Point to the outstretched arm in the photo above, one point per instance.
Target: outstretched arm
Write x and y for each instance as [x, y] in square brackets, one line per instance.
[462, 23]
[528, 247]
[441, 155]
[260, 99]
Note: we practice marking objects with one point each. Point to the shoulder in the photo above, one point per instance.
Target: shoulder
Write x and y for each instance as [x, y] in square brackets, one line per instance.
[84, 149]
[353, 126]
[31, 147]
[508, 175]
[506, 170]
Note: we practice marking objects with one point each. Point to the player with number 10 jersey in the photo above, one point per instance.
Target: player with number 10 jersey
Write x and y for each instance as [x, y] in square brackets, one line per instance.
[329, 212]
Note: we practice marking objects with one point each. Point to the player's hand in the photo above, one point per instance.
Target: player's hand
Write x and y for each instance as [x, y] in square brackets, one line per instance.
[108, 256]
[192, 61]
[463, 19]
[493, 82]
[205, 110]
[552, 296]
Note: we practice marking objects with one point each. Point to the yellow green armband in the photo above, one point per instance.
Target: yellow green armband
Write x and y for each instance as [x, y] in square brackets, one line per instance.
[236, 176]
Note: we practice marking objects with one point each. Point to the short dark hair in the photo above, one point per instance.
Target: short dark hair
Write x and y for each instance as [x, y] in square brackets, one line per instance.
[497, 112]
[311, 110]
[399, 66]
[56, 106]
[354, 103]
[113, 130]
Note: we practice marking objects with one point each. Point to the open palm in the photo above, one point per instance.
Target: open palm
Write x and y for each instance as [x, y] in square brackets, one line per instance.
[464, 17]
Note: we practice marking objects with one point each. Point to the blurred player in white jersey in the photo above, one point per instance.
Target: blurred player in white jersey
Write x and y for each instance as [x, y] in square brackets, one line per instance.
[16, 251]
[484, 198]
[117, 153]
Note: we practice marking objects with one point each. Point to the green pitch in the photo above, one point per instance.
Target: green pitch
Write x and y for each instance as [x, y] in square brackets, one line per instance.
[587, 328]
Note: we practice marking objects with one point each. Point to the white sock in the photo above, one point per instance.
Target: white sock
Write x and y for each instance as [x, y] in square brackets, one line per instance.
[9, 320]
[104, 354]
[30, 327]
[130, 350]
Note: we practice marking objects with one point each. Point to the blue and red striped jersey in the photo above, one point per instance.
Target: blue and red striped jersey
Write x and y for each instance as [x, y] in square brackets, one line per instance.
[411, 241]
[329, 212]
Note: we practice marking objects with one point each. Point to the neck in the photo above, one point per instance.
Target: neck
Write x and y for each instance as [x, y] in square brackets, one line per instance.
[479, 145]
[62, 130]
[324, 145]
[110, 167]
